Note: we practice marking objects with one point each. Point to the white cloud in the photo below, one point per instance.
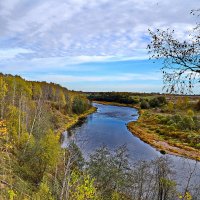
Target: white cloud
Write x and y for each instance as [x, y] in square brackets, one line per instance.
[13, 53]
[51, 36]
[8, 65]
[90, 27]
[116, 77]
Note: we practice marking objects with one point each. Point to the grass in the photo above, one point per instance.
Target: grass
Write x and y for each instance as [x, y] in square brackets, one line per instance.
[160, 136]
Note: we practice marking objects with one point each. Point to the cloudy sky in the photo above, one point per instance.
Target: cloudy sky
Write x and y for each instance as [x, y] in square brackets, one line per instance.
[89, 45]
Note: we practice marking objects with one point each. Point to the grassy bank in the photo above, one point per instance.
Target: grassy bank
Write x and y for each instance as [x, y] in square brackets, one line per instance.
[170, 147]
[68, 121]
[165, 138]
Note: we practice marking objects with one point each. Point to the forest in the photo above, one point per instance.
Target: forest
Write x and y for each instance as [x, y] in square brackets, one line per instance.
[33, 115]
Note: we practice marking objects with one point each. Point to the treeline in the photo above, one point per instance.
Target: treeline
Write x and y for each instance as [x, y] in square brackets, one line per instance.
[30, 152]
[119, 97]
[154, 102]
[144, 100]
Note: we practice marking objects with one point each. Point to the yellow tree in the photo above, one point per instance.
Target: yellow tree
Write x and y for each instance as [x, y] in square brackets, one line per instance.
[82, 187]
[3, 91]
[61, 99]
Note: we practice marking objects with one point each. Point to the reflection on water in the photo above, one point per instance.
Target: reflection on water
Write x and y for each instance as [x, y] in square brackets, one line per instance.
[108, 127]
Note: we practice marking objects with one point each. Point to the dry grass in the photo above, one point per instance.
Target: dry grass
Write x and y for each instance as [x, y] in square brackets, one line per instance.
[145, 129]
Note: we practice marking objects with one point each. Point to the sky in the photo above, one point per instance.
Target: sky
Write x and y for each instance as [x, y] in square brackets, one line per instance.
[89, 45]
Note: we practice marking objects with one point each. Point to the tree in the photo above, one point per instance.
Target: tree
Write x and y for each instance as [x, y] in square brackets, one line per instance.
[80, 104]
[82, 187]
[181, 70]
[3, 91]
[111, 172]
[39, 157]
[61, 99]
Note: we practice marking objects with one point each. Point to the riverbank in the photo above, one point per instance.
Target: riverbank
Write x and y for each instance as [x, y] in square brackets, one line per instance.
[68, 122]
[164, 138]
[161, 145]
[148, 132]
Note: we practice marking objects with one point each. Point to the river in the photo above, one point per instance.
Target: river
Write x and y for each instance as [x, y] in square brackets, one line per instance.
[107, 127]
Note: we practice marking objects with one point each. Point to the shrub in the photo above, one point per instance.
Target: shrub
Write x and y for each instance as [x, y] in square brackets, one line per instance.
[187, 123]
[198, 145]
[158, 130]
[162, 100]
[144, 104]
[176, 118]
[163, 119]
[198, 105]
[190, 113]
[172, 127]
[170, 106]
[154, 102]
[170, 122]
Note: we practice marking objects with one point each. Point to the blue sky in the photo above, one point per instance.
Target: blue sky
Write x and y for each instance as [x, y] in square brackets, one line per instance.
[89, 45]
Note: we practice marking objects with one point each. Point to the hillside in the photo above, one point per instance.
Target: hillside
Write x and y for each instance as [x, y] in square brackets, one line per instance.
[33, 115]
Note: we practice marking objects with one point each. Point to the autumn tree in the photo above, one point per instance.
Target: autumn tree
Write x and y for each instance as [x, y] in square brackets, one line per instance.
[181, 69]
[3, 91]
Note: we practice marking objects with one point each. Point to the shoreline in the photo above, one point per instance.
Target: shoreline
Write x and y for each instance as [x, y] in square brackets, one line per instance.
[153, 139]
[74, 120]
[155, 142]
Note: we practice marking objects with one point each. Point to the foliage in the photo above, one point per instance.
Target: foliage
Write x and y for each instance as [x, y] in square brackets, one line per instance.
[115, 179]
[82, 187]
[144, 104]
[119, 97]
[30, 150]
[110, 171]
[181, 70]
[153, 102]
[43, 192]
[187, 122]
[198, 105]
[80, 105]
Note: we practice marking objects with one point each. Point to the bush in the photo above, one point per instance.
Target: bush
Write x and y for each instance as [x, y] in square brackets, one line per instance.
[198, 105]
[144, 105]
[190, 113]
[172, 127]
[176, 118]
[187, 123]
[154, 102]
[170, 122]
[198, 146]
[162, 100]
[158, 130]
